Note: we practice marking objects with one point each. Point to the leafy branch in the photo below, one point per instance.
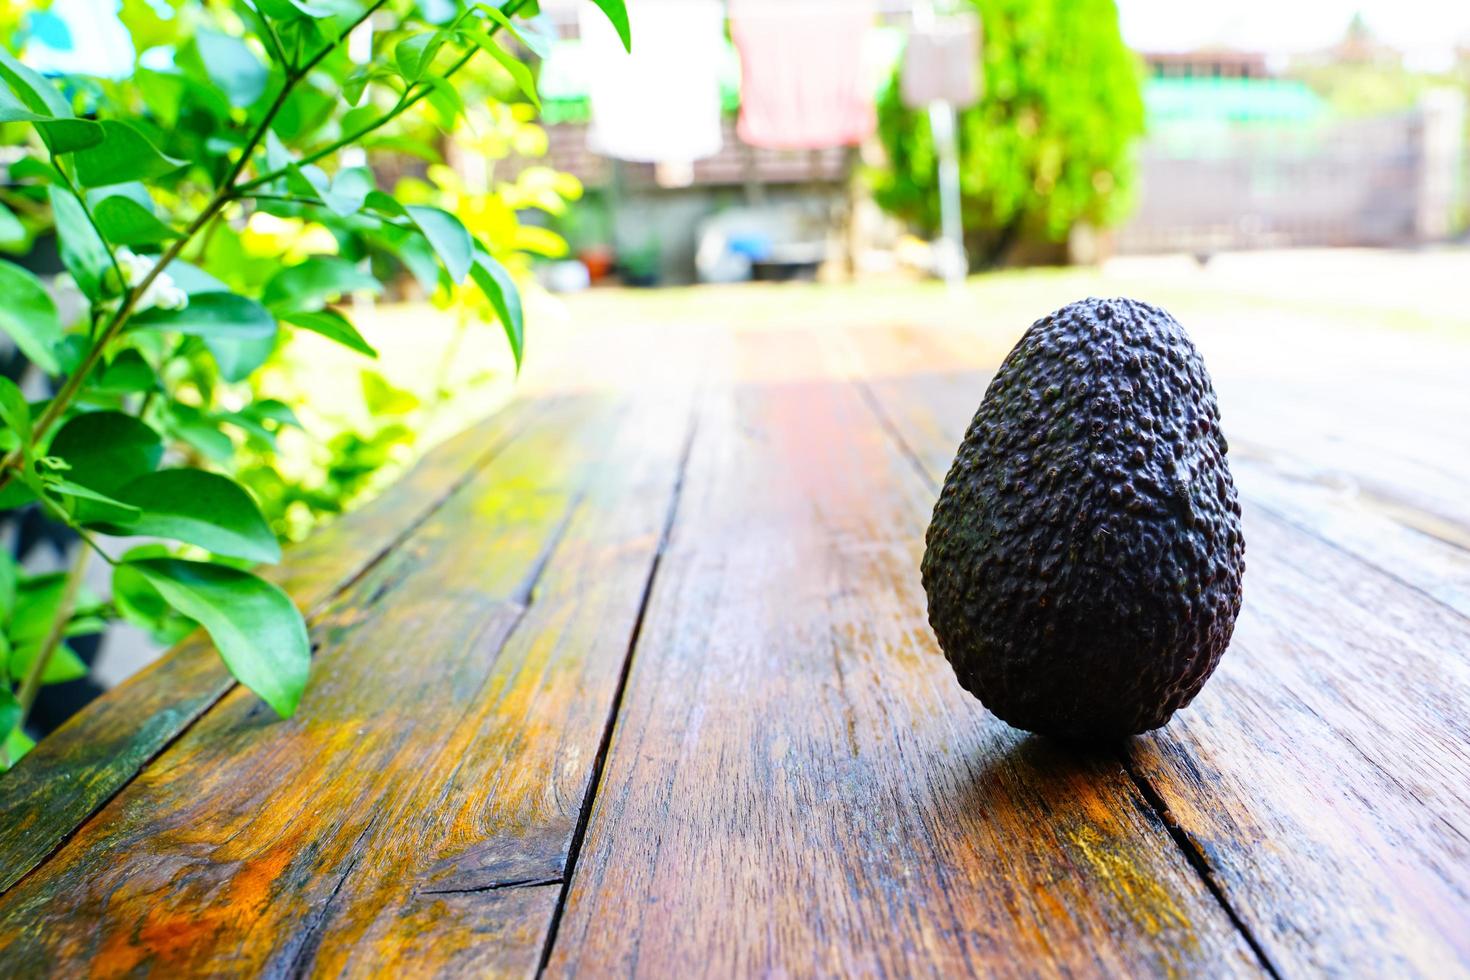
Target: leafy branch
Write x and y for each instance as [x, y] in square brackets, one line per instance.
[147, 417]
[223, 196]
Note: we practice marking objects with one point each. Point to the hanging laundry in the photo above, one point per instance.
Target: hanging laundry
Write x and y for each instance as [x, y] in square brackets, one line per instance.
[660, 104]
[804, 78]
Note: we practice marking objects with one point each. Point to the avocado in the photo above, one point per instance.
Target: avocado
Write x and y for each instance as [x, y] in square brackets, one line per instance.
[1084, 562]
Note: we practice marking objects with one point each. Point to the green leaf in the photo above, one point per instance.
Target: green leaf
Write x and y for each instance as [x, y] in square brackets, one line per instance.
[12, 109]
[538, 44]
[200, 431]
[82, 250]
[39, 95]
[273, 410]
[417, 255]
[13, 234]
[128, 372]
[28, 315]
[203, 509]
[62, 133]
[123, 155]
[9, 579]
[15, 410]
[333, 326]
[38, 601]
[256, 629]
[312, 182]
[257, 435]
[126, 222]
[385, 203]
[239, 357]
[17, 744]
[107, 450]
[500, 289]
[290, 9]
[137, 601]
[9, 710]
[233, 67]
[70, 135]
[519, 73]
[116, 511]
[350, 188]
[384, 399]
[617, 13]
[446, 101]
[194, 280]
[211, 314]
[309, 285]
[64, 664]
[17, 493]
[413, 55]
[451, 242]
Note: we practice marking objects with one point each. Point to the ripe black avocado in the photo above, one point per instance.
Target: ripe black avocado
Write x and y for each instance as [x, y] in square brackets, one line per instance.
[1084, 562]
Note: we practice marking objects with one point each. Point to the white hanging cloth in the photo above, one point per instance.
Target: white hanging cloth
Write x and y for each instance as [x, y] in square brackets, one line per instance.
[660, 104]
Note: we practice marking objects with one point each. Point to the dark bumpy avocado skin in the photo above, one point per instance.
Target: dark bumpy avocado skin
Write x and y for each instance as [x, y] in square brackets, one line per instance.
[1084, 562]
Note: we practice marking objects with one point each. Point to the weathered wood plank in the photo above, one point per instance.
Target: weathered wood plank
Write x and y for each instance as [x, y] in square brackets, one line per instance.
[1363, 529]
[255, 845]
[1325, 774]
[797, 785]
[1322, 774]
[80, 766]
[497, 809]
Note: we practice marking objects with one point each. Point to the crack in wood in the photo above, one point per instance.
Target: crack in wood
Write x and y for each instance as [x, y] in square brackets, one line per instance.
[1195, 855]
[311, 934]
[496, 886]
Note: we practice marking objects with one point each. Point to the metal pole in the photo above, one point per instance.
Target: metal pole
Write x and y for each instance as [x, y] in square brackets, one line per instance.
[949, 251]
[951, 246]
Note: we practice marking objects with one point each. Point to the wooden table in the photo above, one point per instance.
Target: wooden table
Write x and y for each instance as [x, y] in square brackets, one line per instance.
[635, 678]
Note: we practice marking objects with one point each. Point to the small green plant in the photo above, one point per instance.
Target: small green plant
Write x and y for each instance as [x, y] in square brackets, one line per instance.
[235, 110]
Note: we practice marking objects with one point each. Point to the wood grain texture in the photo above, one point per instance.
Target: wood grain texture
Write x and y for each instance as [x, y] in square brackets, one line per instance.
[417, 810]
[81, 765]
[1326, 777]
[797, 785]
[1322, 774]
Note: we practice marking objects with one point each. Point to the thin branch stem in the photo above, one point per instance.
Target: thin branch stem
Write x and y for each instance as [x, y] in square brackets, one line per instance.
[411, 96]
[208, 236]
[268, 31]
[31, 685]
[282, 199]
[91, 218]
[222, 196]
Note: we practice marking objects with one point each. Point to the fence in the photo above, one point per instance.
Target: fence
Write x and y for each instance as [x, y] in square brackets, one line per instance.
[1392, 180]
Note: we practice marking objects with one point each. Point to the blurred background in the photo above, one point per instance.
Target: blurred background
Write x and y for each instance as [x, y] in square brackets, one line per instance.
[1289, 178]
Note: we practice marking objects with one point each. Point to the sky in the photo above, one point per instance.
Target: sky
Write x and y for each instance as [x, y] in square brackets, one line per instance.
[1426, 30]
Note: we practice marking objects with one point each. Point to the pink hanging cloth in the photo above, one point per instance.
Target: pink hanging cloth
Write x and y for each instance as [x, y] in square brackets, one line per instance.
[804, 83]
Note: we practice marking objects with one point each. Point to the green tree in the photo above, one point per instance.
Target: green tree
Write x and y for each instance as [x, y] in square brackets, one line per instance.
[1047, 147]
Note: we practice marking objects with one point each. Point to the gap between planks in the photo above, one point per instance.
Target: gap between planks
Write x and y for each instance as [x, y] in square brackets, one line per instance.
[584, 816]
[523, 596]
[1187, 846]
